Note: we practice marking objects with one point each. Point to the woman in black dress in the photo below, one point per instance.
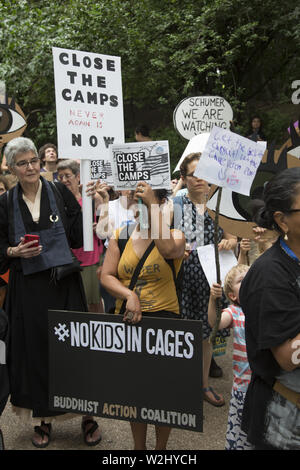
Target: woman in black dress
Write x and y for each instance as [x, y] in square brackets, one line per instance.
[35, 206]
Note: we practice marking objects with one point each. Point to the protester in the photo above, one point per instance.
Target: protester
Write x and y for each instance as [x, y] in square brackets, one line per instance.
[198, 228]
[233, 317]
[49, 159]
[154, 294]
[270, 299]
[4, 167]
[142, 133]
[69, 174]
[255, 132]
[36, 206]
[4, 381]
[4, 184]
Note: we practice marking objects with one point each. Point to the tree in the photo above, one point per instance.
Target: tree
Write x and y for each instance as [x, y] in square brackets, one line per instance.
[170, 50]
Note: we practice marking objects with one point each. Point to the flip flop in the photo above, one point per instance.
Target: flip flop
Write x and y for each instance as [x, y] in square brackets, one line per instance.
[218, 401]
[41, 432]
[89, 432]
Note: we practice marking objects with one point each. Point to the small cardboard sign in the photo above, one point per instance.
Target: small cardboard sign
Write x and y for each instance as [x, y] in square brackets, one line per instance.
[141, 161]
[150, 372]
[199, 114]
[229, 160]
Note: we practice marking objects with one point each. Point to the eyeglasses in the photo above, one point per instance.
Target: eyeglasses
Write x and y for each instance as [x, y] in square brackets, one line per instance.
[292, 210]
[67, 176]
[25, 163]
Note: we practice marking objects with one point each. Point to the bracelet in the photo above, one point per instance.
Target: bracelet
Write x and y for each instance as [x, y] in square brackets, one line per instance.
[10, 251]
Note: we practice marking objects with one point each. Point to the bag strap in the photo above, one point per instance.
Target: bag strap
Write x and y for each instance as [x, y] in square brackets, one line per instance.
[137, 272]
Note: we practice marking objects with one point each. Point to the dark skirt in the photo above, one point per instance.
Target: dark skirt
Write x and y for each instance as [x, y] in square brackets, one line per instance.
[28, 300]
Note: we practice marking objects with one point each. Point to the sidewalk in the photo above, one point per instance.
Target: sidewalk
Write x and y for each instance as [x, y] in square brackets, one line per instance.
[116, 434]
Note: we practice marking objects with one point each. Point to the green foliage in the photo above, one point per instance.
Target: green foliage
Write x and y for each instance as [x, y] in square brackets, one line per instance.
[170, 49]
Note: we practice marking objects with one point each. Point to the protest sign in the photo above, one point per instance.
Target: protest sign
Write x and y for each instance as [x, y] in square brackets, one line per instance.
[141, 161]
[195, 145]
[150, 372]
[89, 103]
[229, 160]
[207, 259]
[199, 114]
[89, 114]
[12, 118]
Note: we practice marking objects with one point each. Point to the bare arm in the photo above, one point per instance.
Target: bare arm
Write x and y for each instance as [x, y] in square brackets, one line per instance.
[226, 320]
[114, 286]
[229, 242]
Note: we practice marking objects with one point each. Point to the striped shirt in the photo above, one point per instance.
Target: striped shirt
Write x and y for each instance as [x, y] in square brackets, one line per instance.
[241, 368]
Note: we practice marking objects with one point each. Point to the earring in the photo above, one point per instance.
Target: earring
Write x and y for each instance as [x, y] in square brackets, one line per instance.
[286, 236]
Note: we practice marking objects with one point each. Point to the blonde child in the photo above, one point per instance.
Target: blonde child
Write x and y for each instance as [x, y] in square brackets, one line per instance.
[233, 317]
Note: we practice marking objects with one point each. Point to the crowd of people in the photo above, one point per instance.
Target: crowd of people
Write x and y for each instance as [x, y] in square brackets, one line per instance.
[259, 298]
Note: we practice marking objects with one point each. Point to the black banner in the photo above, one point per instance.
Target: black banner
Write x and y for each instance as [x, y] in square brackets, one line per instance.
[149, 372]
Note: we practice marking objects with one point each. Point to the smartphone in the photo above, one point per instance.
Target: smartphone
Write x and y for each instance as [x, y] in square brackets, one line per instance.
[31, 238]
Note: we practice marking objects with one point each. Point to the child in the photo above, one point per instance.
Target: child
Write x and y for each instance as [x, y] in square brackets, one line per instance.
[233, 317]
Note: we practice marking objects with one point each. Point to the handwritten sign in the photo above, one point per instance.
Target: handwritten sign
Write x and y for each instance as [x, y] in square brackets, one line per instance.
[229, 160]
[207, 259]
[89, 103]
[199, 114]
[141, 161]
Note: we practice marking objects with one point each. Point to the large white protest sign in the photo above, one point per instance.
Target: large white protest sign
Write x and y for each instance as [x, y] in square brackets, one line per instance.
[89, 115]
[229, 160]
[89, 104]
[199, 114]
[195, 145]
[141, 161]
[207, 259]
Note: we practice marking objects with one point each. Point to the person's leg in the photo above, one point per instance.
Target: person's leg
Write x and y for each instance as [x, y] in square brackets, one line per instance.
[42, 435]
[162, 437]
[96, 308]
[139, 433]
[91, 431]
[209, 395]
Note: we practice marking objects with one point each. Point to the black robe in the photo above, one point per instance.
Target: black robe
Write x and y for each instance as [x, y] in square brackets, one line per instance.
[29, 298]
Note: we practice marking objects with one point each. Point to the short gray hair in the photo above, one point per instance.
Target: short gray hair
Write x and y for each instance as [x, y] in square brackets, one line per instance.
[17, 146]
[69, 165]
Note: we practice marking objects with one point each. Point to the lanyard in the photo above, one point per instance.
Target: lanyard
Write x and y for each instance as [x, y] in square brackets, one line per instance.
[288, 251]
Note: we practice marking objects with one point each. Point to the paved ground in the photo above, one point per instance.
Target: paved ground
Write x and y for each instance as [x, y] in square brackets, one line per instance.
[116, 434]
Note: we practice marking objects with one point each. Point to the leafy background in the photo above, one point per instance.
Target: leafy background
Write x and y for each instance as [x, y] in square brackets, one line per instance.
[247, 52]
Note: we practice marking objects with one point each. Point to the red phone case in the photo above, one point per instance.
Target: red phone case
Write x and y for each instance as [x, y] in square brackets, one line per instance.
[31, 238]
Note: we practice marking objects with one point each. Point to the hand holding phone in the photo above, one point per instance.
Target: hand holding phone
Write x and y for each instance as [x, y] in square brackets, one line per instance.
[31, 238]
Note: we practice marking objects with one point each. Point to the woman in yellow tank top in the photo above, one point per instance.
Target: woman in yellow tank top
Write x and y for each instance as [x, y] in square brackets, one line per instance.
[154, 293]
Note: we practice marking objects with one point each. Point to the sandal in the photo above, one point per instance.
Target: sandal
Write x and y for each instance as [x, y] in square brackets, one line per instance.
[1, 441]
[41, 432]
[218, 400]
[90, 431]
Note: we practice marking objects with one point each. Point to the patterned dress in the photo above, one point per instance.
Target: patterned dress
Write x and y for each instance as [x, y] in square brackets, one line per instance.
[198, 230]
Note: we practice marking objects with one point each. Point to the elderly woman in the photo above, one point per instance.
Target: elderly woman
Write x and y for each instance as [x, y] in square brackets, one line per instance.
[36, 206]
[155, 293]
[69, 175]
[270, 299]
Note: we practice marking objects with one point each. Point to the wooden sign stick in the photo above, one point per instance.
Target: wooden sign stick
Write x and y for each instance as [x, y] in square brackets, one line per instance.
[217, 258]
